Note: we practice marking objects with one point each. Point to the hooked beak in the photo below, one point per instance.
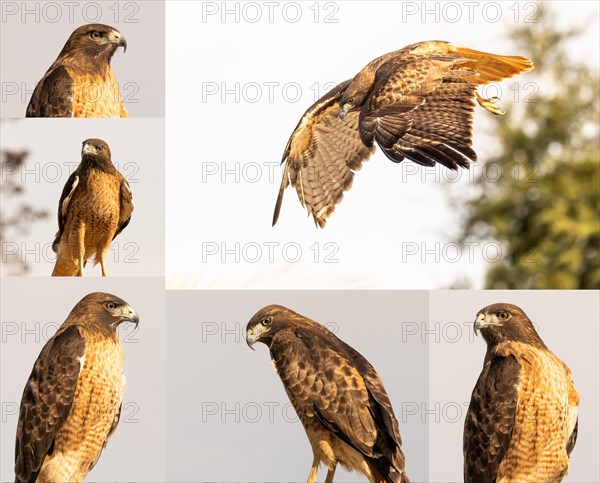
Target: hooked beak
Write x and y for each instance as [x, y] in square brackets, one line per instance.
[87, 149]
[127, 314]
[116, 38]
[251, 338]
[343, 111]
[480, 323]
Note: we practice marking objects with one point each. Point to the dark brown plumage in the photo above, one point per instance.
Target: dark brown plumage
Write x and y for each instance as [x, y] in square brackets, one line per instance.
[336, 393]
[96, 205]
[415, 103]
[522, 420]
[80, 82]
[72, 400]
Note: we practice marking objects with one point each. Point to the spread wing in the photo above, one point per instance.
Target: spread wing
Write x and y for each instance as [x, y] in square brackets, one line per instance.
[421, 105]
[46, 401]
[490, 419]
[53, 96]
[321, 157]
[332, 383]
[63, 206]
[126, 205]
[422, 109]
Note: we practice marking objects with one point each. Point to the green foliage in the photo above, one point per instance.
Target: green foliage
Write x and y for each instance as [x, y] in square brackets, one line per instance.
[544, 208]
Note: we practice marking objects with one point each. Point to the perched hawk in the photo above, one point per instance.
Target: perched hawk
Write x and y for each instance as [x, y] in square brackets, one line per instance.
[95, 206]
[80, 82]
[72, 400]
[521, 425]
[336, 393]
[415, 103]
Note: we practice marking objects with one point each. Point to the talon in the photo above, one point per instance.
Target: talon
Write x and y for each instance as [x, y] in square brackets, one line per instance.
[490, 104]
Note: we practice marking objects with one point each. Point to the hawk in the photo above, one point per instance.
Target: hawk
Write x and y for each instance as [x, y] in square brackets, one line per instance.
[95, 206]
[80, 82]
[72, 400]
[522, 420]
[415, 103]
[337, 394]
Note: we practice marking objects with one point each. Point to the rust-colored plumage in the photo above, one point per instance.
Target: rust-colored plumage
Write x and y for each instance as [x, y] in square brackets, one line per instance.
[415, 103]
[521, 425]
[95, 206]
[72, 400]
[80, 82]
[336, 393]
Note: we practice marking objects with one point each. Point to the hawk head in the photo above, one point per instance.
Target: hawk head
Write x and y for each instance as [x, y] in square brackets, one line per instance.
[105, 309]
[95, 150]
[505, 322]
[267, 322]
[354, 95]
[94, 42]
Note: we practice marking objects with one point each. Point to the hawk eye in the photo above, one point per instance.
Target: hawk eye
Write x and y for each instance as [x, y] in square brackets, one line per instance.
[503, 315]
[266, 321]
[96, 35]
[350, 101]
[110, 305]
[100, 148]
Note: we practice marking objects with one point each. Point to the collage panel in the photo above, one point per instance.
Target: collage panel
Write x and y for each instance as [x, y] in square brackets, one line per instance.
[64, 44]
[44, 172]
[566, 321]
[225, 399]
[488, 222]
[33, 311]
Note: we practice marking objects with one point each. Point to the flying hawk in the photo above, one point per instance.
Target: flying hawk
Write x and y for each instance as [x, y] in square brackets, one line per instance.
[95, 206]
[522, 421]
[336, 393]
[72, 400]
[415, 103]
[80, 82]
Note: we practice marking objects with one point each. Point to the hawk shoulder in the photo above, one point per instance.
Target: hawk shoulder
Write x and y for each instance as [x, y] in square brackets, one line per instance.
[53, 96]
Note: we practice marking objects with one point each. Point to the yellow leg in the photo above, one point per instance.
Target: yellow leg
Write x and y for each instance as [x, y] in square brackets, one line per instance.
[81, 247]
[312, 477]
[103, 267]
[330, 475]
[490, 104]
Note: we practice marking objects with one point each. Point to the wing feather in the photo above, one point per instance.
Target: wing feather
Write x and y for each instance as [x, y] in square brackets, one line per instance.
[490, 419]
[126, 205]
[63, 206]
[321, 157]
[53, 95]
[330, 381]
[46, 401]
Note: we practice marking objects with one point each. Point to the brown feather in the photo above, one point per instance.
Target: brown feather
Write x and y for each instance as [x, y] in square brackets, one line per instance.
[415, 103]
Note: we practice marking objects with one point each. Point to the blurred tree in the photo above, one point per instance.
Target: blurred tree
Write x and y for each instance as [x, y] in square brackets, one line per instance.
[16, 224]
[538, 197]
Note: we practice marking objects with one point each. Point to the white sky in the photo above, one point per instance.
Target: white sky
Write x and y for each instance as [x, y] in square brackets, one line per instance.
[389, 213]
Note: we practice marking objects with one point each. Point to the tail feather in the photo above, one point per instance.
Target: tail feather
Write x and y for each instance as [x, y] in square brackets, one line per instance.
[492, 67]
[384, 472]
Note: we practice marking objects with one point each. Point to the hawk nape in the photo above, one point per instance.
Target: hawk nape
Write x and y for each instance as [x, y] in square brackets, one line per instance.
[72, 400]
[337, 394]
[95, 206]
[80, 82]
[415, 103]
[521, 424]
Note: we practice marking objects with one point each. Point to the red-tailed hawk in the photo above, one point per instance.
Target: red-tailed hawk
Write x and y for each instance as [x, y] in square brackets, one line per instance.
[415, 103]
[95, 206]
[80, 82]
[521, 425]
[337, 394]
[72, 400]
